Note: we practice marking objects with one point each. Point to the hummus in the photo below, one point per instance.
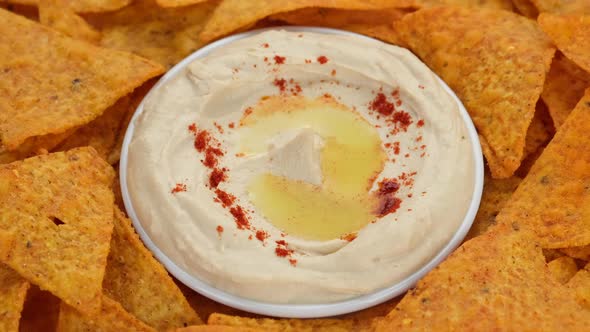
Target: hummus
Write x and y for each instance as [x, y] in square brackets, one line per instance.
[295, 167]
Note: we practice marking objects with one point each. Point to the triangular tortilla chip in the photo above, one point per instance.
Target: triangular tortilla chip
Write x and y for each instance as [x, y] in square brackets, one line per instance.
[177, 3]
[571, 34]
[60, 207]
[494, 282]
[83, 6]
[13, 290]
[141, 285]
[580, 283]
[563, 6]
[232, 15]
[496, 63]
[112, 317]
[164, 35]
[564, 87]
[35, 145]
[61, 18]
[60, 83]
[40, 312]
[553, 201]
[328, 324]
[496, 192]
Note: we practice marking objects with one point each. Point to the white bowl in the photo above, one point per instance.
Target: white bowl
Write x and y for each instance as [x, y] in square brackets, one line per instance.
[299, 310]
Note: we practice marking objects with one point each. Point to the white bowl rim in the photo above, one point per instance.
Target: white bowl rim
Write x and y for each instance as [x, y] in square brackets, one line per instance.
[299, 310]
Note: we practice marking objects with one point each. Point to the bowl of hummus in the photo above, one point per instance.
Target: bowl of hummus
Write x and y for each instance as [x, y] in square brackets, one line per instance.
[301, 172]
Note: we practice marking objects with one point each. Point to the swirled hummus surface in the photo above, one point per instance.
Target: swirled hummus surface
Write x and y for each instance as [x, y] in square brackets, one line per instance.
[293, 167]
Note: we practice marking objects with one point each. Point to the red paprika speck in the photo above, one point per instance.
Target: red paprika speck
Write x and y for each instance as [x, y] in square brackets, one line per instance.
[420, 124]
[240, 217]
[388, 186]
[219, 229]
[402, 118]
[210, 160]
[389, 205]
[396, 148]
[333, 72]
[293, 262]
[322, 59]
[283, 252]
[231, 125]
[381, 104]
[349, 237]
[201, 140]
[192, 128]
[180, 187]
[226, 199]
[261, 235]
[265, 45]
[216, 177]
[281, 83]
[279, 60]
[307, 61]
[281, 242]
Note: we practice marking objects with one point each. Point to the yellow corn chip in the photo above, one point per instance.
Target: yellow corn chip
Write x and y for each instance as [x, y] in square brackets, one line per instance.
[141, 285]
[232, 15]
[7, 243]
[177, 3]
[60, 83]
[571, 34]
[495, 282]
[100, 133]
[580, 283]
[496, 63]
[526, 8]
[563, 6]
[563, 88]
[282, 324]
[164, 35]
[34, 145]
[60, 207]
[112, 317]
[135, 99]
[553, 201]
[13, 290]
[82, 6]
[563, 268]
[496, 192]
[220, 328]
[582, 253]
[491, 4]
[66, 21]
[40, 311]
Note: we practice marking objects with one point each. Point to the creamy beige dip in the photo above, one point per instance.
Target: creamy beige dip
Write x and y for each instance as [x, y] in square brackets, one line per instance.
[216, 91]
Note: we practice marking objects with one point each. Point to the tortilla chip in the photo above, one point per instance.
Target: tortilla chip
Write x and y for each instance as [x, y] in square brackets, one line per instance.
[496, 192]
[496, 63]
[495, 282]
[553, 201]
[13, 290]
[140, 284]
[564, 87]
[60, 207]
[100, 133]
[580, 283]
[60, 83]
[164, 35]
[40, 311]
[177, 3]
[232, 15]
[34, 146]
[219, 328]
[551, 254]
[283, 324]
[204, 306]
[136, 98]
[491, 4]
[563, 6]
[582, 253]
[66, 21]
[82, 6]
[526, 8]
[112, 317]
[563, 268]
[571, 34]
